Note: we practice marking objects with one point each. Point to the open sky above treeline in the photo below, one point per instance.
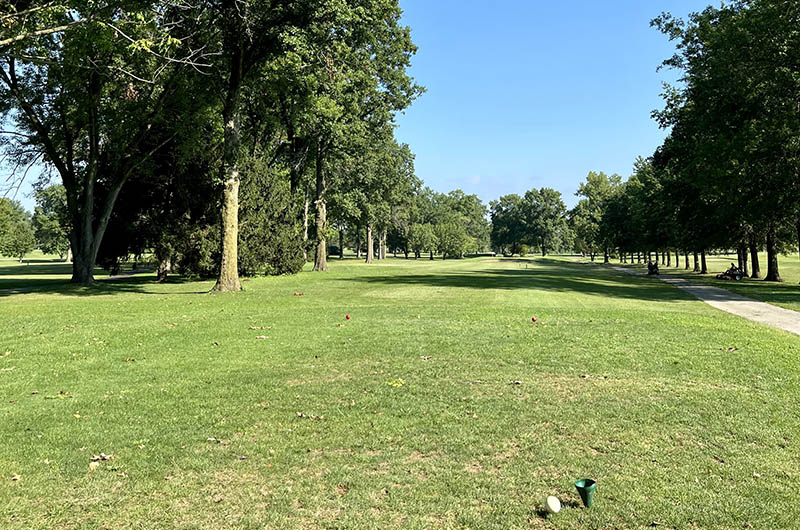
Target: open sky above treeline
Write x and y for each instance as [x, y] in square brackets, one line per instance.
[527, 93]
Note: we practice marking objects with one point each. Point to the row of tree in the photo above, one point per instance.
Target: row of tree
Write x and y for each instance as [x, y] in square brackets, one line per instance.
[728, 174]
[191, 128]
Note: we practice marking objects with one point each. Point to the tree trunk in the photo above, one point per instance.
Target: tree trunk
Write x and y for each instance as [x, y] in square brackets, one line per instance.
[164, 268]
[358, 242]
[696, 262]
[703, 267]
[739, 257]
[669, 259]
[639, 258]
[798, 235]
[321, 254]
[431, 255]
[306, 204]
[754, 257]
[382, 244]
[772, 257]
[341, 244]
[606, 257]
[231, 117]
[370, 244]
[686, 258]
[69, 255]
[677, 259]
[745, 268]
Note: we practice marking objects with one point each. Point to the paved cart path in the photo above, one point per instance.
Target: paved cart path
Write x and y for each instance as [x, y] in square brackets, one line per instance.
[754, 310]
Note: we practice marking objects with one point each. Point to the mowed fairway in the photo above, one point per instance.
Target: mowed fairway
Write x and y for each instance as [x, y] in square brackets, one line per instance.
[439, 404]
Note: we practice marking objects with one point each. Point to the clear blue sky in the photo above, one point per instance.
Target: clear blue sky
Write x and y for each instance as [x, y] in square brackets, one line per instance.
[533, 93]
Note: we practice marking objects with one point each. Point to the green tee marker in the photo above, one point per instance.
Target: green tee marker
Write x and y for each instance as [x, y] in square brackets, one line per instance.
[586, 487]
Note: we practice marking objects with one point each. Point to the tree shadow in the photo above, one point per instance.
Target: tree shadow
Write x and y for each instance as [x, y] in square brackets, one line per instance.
[785, 293]
[547, 275]
[38, 279]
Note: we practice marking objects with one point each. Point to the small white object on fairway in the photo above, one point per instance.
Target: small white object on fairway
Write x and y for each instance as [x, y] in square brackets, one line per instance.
[553, 504]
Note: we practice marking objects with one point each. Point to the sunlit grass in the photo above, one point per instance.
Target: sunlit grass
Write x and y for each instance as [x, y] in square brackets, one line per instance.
[439, 404]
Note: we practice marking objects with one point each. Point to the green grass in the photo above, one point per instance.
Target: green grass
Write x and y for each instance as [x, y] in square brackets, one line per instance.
[438, 405]
[785, 294]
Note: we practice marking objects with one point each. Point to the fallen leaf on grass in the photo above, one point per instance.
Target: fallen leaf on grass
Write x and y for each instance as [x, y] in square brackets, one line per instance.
[260, 327]
[215, 343]
[15, 478]
[102, 457]
[262, 337]
[298, 294]
[34, 392]
[516, 382]
[426, 357]
[129, 360]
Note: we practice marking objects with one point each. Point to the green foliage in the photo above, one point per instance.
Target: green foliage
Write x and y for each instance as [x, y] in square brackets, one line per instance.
[269, 235]
[51, 220]
[453, 241]
[422, 238]
[16, 233]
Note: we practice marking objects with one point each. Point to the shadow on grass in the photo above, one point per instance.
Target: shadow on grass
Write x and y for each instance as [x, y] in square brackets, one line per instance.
[786, 293]
[547, 275]
[37, 280]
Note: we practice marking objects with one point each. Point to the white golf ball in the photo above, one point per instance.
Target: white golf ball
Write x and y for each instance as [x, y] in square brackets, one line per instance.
[553, 504]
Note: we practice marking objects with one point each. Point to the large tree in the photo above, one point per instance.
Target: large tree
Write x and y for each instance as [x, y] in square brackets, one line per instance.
[82, 100]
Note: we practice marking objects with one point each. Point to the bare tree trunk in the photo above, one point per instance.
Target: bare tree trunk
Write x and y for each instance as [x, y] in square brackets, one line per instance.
[358, 243]
[696, 262]
[745, 268]
[370, 244]
[669, 259]
[341, 244]
[321, 254]
[798, 234]
[606, 257]
[228, 279]
[754, 257]
[772, 257]
[639, 258]
[306, 204]
[382, 244]
[677, 259]
[431, 255]
[686, 258]
[739, 257]
[703, 267]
